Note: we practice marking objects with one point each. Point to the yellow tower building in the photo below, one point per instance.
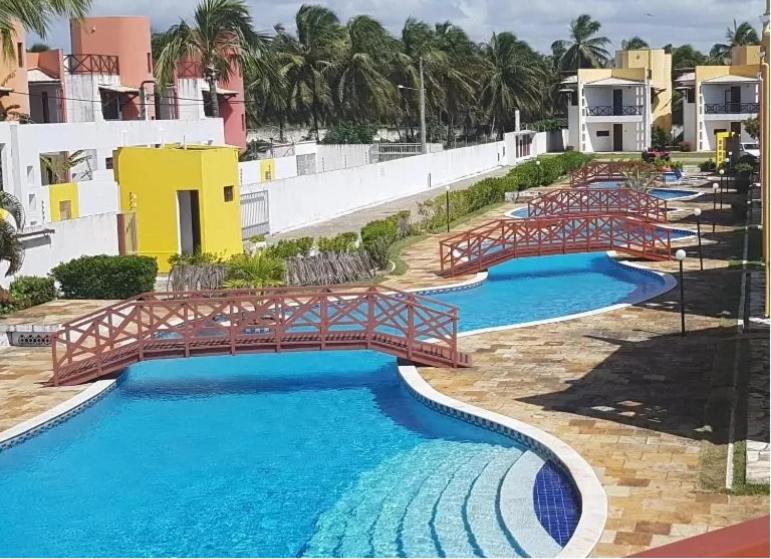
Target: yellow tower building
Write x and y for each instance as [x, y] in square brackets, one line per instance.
[186, 199]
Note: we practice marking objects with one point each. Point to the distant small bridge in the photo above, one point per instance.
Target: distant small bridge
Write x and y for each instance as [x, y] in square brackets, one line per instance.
[163, 325]
[503, 239]
[596, 171]
[583, 201]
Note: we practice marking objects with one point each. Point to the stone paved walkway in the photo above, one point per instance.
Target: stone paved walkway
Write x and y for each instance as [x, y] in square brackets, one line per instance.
[623, 388]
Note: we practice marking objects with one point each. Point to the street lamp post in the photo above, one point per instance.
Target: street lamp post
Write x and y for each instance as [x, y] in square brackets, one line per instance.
[697, 213]
[680, 256]
[422, 102]
[447, 205]
[722, 176]
[714, 205]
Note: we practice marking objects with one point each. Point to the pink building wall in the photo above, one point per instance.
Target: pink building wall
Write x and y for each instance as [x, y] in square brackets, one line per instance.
[18, 70]
[128, 38]
[233, 110]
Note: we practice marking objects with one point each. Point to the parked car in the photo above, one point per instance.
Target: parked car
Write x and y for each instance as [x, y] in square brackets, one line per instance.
[749, 148]
[652, 154]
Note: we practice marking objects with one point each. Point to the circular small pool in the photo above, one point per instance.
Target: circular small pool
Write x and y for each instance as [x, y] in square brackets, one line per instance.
[661, 193]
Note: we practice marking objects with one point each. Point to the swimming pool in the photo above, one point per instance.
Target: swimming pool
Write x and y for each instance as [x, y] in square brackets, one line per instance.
[661, 193]
[317, 454]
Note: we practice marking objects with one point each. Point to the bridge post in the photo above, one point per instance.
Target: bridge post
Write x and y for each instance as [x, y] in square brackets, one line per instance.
[410, 324]
[324, 324]
[54, 362]
[232, 327]
[371, 315]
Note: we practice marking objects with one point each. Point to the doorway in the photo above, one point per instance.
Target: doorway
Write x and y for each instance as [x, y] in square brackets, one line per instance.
[188, 222]
[618, 102]
[618, 137]
[733, 99]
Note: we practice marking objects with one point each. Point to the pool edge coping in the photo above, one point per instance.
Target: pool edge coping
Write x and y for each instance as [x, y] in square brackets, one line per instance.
[594, 500]
[29, 428]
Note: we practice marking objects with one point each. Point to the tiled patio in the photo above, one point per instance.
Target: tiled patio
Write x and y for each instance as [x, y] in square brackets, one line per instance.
[623, 388]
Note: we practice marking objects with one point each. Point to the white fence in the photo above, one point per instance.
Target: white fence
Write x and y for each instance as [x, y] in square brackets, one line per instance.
[53, 243]
[309, 199]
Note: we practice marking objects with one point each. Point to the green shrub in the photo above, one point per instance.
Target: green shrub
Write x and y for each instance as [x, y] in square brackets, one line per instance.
[743, 173]
[707, 166]
[106, 277]
[193, 259]
[660, 138]
[342, 243]
[261, 269]
[28, 291]
[287, 248]
[378, 236]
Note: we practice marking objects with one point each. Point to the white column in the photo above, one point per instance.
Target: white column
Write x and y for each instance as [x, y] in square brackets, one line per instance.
[647, 121]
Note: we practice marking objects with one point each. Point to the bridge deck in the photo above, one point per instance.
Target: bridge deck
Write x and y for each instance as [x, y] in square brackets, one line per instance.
[169, 325]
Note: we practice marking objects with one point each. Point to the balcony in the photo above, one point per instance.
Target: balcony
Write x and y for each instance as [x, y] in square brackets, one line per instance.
[609, 110]
[105, 64]
[731, 108]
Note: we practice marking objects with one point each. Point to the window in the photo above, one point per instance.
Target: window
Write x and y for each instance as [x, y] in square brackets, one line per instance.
[108, 162]
[65, 209]
[228, 192]
[603, 133]
[20, 54]
[574, 98]
[691, 95]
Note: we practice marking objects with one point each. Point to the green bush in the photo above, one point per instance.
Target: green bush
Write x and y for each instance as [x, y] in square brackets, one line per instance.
[193, 259]
[743, 172]
[287, 248]
[707, 166]
[660, 138]
[342, 243]
[248, 271]
[28, 291]
[106, 277]
[378, 236]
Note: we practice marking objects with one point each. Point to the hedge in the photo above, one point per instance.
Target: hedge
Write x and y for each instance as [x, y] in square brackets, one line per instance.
[106, 277]
[28, 291]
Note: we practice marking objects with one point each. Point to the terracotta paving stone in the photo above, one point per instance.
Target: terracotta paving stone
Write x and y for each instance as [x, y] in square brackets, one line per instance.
[623, 388]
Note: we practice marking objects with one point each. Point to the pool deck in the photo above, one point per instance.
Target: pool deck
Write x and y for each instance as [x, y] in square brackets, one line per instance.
[623, 388]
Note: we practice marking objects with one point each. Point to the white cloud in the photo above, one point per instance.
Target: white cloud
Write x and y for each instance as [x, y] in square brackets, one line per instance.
[699, 22]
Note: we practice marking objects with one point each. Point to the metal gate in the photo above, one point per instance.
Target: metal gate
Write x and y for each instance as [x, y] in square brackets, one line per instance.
[254, 214]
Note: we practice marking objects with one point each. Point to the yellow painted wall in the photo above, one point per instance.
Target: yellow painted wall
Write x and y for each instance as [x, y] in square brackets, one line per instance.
[659, 63]
[149, 179]
[63, 192]
[267, 170]
[745, 55]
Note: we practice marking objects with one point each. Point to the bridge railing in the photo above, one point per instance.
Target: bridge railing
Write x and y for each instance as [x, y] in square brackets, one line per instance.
[605, 170]
[567, 202]
[183, 324]
[479, 248]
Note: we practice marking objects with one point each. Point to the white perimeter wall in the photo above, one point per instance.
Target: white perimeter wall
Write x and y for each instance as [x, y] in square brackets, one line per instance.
[67, 241]
[309, 199]
[330, 157]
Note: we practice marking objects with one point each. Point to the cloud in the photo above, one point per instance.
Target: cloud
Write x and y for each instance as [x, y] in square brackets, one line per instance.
[540, 22]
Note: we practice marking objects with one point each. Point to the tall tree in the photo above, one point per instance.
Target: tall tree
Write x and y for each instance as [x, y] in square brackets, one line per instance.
[310, 59]
[34, 15]
[740, 34]
[364, 91]
[221, 40]
[584, 49]
[634, 43]
[512, 81]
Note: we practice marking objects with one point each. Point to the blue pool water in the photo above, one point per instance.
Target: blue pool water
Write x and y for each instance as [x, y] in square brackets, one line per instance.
[317, 454]
[662, 193]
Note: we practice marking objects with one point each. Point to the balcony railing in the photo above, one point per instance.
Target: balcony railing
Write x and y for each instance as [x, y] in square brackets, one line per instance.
[610, 110]
[731, 108]
[92, 64]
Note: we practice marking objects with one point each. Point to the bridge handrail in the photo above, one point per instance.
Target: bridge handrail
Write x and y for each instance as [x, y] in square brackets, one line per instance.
[499, 240]
[269, 317]
[625, 201]
[604, 170]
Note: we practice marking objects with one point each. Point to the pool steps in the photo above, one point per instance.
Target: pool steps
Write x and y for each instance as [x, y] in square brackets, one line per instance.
[475, 500]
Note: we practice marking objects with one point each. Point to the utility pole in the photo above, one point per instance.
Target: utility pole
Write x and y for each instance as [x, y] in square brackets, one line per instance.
[423, 144]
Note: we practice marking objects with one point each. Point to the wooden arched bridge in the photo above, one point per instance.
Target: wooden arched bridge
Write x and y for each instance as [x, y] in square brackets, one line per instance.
[584, 201]
[162, 325]
[596, 171]
[503, 239]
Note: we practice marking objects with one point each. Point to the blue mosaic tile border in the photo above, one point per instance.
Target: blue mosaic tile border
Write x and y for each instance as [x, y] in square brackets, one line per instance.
[54, 421]
[543, 451]
[557, 503]
[463, 287]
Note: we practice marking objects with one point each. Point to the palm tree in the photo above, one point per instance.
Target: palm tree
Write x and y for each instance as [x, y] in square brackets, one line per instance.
[260, 269]
[266, 82]
[584, 49]
[742, 34]
[221, 40]
[363, 89]
[59, 167]
[512, 80]
[309, 60]
[456, 80]
[634, 43]
[34, 15]
[11, 222]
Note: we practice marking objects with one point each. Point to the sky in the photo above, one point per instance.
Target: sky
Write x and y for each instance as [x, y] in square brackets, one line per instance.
[539, 22]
